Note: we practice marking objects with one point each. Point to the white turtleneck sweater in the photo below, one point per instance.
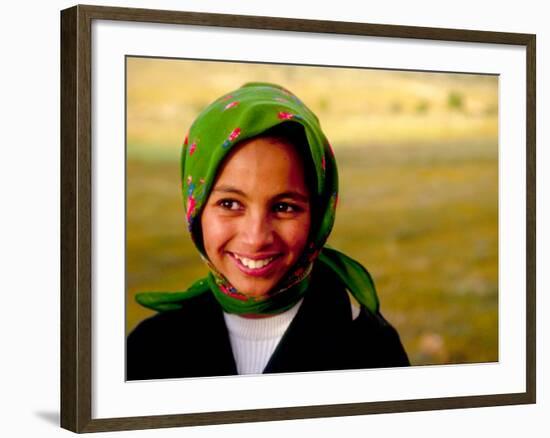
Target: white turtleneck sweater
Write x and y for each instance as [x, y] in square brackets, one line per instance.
[253, 340]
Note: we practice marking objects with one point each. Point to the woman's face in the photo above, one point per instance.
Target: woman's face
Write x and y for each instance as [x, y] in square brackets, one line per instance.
[256, 222]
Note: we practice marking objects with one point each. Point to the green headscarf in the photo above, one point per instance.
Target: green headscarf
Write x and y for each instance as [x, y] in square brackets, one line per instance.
[242, 114]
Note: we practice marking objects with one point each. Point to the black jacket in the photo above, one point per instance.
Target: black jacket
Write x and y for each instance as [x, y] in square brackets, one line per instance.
[194, 342]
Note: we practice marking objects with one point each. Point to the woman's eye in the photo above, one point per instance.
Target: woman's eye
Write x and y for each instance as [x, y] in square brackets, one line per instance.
[283, 207]
[229, 204]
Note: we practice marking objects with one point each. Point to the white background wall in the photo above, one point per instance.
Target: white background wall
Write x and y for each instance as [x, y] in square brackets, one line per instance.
[29, 239]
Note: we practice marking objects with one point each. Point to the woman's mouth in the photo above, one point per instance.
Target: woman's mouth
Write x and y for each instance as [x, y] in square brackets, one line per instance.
[256, 266]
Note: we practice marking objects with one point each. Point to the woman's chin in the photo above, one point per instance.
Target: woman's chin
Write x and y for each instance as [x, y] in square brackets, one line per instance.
[258, 293]
[253, 289]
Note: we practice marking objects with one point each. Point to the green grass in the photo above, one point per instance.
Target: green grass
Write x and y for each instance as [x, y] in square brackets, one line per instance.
[422, 218]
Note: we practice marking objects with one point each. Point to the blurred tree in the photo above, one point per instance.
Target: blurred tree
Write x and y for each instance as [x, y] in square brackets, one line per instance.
[455, 101]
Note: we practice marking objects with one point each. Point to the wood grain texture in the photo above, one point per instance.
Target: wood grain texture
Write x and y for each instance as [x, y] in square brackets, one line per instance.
[69, 332]
[76, 219]
[531, 218]
[301, 25]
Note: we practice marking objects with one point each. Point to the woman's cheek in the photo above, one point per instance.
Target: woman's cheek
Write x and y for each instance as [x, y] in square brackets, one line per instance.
[297, 235]
[221, 230]
[215, 232]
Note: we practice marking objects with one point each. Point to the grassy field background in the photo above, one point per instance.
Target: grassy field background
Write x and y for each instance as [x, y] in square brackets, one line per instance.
[418, 162]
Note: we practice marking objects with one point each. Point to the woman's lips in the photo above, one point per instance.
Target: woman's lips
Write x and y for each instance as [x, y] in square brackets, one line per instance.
[256, 266]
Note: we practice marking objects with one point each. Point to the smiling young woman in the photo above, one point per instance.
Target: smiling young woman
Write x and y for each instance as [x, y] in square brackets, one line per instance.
[260, 188]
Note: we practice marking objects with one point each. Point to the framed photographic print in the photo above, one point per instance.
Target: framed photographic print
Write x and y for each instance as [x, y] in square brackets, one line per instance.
[296, 158]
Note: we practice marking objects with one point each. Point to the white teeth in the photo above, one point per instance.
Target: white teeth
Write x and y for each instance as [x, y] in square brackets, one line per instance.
[254, 264]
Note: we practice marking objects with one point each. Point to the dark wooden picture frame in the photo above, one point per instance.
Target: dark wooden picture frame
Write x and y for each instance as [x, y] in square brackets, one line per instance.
[76, 217]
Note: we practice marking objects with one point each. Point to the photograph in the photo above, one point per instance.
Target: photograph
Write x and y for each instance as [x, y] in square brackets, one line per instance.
[296, 218]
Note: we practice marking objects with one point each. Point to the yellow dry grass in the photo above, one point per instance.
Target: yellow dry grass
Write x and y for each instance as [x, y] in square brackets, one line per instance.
[355, 106]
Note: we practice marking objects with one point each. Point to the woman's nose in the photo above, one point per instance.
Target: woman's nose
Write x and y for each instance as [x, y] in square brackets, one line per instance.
[257, 230]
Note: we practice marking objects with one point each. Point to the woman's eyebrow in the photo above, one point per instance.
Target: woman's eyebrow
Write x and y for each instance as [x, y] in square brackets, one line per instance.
[289, 194]
[293, 195]
[229, 189]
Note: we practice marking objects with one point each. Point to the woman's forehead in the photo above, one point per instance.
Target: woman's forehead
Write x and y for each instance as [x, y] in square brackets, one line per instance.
[264, 162]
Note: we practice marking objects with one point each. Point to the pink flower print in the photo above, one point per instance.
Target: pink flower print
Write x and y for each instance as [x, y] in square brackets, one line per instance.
[331, 150]
[186, 141]
[192, 148]
[313, 255]
[336, 199]
[191, 204]
[234, 134]
[231, 291]
[231, 105]
[299, 272]
[229, 96]
[283, 115]
[324, 163]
